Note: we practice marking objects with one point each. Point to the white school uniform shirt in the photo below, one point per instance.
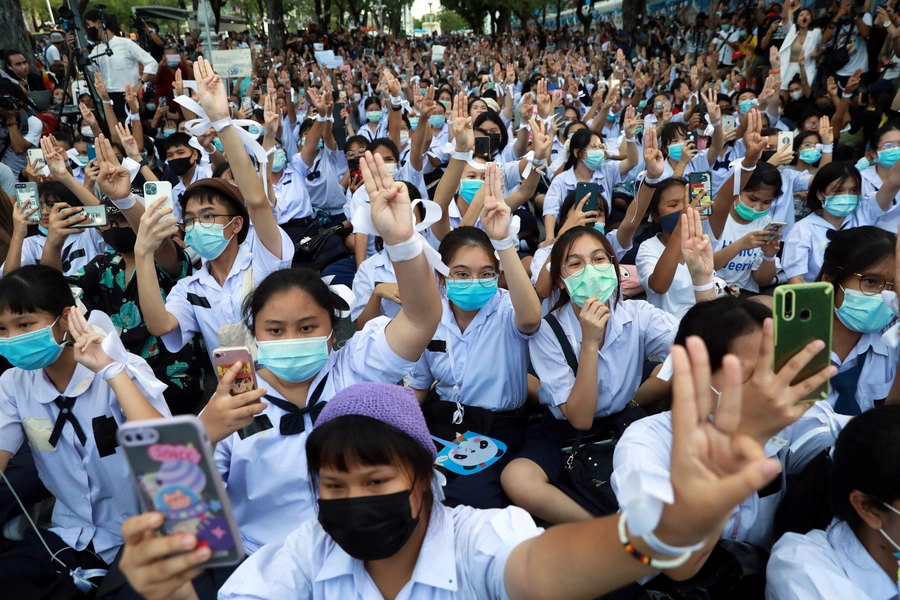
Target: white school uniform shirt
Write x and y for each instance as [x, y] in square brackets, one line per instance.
[698, 164]
[293, 199]
[879, 368]
[607, 175]
[200, 304]
[484, 366]
[792, 182]
[265, 474]
[374, 270]
[739, 269]
[78, 250]
[94, 495]
[463, 557]
[822, 565]
[367, 132]
[323, 179]
[871, 183]
[680, 297]
[634, 331]
[201, 171]
[646, 451]
[804, 249]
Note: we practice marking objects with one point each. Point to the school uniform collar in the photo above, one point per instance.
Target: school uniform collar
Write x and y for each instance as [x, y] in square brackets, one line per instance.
[571, 180]
[483, 314]
[871, 175]
[45, 392]
[858, 564]
[867, 341]
[286, 177]
[435, 567]
[241, 261]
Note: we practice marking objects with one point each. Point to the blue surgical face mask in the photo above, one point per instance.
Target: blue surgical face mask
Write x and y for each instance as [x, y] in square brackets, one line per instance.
[168, 132]
[294, 360]
[594, 159]
[601, 227]
[748, 213]
[437, 121]
[675, 150]
[863, 164]
[746, 105]
[726, 28]
[810, 155]
[611, 116]
[887, 158]
[592, 281]
[208, 242]
[373, 116]
[468, 188]
[151, 106]
[255, 130]
[841, 205]
[81, 161]
[862, 313]
[413, 123]
[173, 63]
[278, 161]
[218, 144]
[32, 350]
[476, 294]
[43, 230]
[670, 221]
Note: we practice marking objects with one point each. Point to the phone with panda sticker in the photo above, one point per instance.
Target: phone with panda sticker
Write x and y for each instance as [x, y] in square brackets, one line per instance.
[482, 146]
[701, 187]
[173, 471]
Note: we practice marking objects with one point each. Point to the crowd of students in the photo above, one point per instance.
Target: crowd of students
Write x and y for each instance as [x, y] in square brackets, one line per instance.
[548, 394]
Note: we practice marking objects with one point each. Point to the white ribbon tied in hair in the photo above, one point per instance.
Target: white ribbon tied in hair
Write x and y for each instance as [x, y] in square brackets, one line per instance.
[201, 125]
[362, 223]
[342, 291]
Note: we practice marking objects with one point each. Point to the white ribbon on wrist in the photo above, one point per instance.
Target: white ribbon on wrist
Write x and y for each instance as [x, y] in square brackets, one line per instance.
[362, 223]
[127, 202]
[736, 166]
[112, 345]
[532, 163]
[132, 165]
[130, 118]
[643, 496]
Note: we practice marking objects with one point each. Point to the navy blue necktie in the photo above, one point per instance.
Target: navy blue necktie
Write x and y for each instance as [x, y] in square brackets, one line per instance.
[65, 405]
[845, 384]
[292, 423]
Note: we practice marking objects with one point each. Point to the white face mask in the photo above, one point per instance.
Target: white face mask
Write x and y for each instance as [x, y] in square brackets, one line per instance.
[404, 137]
[87, 131]
[796, 95]
[887, 537]
[392, 168]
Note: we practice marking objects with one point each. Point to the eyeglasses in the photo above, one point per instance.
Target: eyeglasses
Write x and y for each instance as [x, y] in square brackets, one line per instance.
[871, 284]
[576, 263]
[596, 147]
[465, 280]
[888, 146]
[205, 219]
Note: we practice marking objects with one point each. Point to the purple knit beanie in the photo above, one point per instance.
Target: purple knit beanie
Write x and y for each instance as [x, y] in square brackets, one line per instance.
[391, 404]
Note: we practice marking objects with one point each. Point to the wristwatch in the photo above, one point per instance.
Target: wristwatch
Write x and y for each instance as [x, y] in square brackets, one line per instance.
[144, 162]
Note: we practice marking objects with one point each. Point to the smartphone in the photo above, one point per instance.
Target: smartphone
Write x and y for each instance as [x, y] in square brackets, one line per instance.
[353, 166]
[559, 115]
[803, 313]
[774, 228]
[701, 187]
[173, 471]
[92, 153]
[36, 158]
[27, 198]
[727, 121]
[786, 138]
[154, 190]
[692, 138]
[339, 128]
[96, 217]
[582, 189]
[162, 101]
[265, 89]
[224, 358]
[482, 145]
[246, 104]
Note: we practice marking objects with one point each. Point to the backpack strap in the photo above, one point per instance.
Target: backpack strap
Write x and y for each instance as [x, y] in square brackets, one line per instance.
[564, 343]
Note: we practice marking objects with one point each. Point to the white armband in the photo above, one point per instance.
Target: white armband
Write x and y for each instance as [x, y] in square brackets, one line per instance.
[405, 251]
[503, 244]
[466, 156]
[126, 202]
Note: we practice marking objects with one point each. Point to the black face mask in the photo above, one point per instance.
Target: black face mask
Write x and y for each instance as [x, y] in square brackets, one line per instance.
[93, 33]
[369, 527]
[767, 154]
[180, 166]
[120, 239]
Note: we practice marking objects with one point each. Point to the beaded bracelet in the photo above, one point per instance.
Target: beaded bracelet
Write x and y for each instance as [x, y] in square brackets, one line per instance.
[643, 558]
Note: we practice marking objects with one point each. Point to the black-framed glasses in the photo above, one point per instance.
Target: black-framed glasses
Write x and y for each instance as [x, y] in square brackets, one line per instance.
[465, 280]
[205, 220]
[872, 284]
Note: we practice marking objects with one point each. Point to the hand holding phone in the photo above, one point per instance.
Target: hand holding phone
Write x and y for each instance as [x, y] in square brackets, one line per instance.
[154, 190]
[803, 315]
[590, 189]
[27, 199]
[230, 410]
[95, 216]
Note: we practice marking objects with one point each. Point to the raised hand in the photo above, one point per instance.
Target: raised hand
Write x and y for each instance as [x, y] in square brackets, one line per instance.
[753, 137]
[711, 98]
[653, 157]
[713, 467]
[271, 117]
[87, 116]
[544, 101]
[391, 206]
[853, 82]
[114, 179]
[131, 99]
[579, 216]
[696, 249]
[542, 140]
[212, 91]
[178, 86]
[495, 212]
[462, 125]
[54, 157]
[100, 87]
[128, 142]
[87, 343]
[631, 122]
[428, 103]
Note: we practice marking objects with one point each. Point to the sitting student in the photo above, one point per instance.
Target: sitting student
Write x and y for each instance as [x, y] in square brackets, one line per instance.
[811, 153]
[479, 356]
[682, 155]
[611, 338]
[382, 530]
[836, 202]
[886, 144]
[58, 240]
[853, 555]
[185, 162]
[740, 331]
[78, 394]
[860, 263]
[216, 215]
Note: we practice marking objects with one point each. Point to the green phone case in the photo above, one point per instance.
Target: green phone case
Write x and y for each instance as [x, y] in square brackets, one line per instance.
[804, 313]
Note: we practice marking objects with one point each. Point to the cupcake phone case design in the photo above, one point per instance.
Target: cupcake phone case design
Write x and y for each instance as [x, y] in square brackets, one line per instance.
[174, 473]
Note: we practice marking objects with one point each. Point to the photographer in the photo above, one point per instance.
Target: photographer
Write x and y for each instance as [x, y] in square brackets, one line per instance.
[148, 38]
[845, 39]
[14, 141]
[124, 64]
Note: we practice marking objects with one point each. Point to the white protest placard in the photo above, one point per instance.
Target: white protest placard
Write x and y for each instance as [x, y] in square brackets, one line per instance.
[437, 54]
[324, 57]
[318, 47]
[335, 63]
[233, 63]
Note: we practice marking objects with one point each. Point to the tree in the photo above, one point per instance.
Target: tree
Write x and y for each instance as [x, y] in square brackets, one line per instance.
[15, 31]
[450, 21]
[275, 12]
[630, 11]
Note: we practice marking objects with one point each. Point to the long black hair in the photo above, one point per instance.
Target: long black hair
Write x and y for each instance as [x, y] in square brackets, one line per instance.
[287, 280]
[854, 250]
[558, 259]
[719, 322]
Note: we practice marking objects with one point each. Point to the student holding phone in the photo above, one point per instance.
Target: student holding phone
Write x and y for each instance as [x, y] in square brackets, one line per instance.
[81, 385]
[682, 155]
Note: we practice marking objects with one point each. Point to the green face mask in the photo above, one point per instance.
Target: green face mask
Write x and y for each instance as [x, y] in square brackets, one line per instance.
[747, 213]
[593, 281]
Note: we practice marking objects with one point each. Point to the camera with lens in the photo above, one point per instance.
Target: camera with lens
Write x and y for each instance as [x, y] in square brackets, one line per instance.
[8, 102]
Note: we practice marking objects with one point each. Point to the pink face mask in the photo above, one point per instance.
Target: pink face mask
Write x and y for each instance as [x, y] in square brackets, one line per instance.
[702, 142]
